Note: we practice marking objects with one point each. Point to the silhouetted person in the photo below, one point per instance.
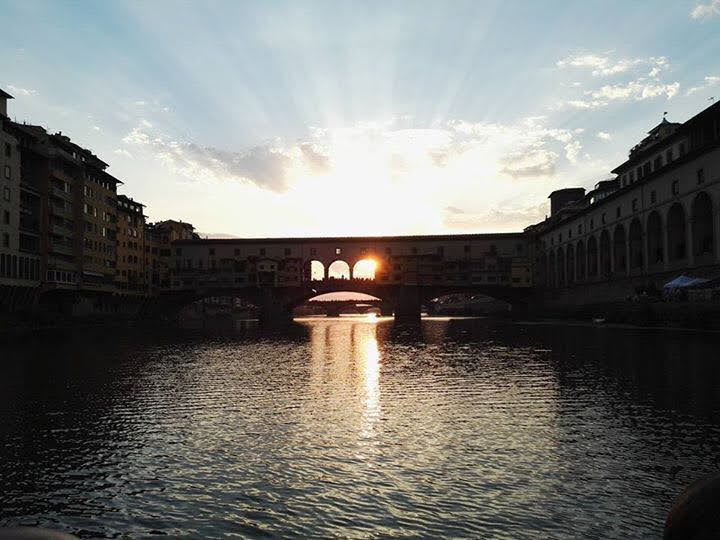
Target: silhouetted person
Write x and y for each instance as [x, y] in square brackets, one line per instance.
[696, 513]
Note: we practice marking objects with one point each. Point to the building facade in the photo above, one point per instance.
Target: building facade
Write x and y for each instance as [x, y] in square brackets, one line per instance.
[20, 265]
[131, 271]
[659, 217]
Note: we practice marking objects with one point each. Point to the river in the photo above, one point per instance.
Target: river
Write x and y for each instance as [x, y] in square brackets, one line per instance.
[358, 428]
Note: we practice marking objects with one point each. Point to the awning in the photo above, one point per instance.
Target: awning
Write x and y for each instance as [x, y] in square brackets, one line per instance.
[683, 282]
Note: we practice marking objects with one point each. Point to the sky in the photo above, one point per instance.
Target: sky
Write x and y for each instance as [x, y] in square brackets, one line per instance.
[272, 118]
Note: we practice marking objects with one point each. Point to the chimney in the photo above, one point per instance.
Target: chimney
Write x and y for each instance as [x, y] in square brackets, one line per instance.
[4, 96]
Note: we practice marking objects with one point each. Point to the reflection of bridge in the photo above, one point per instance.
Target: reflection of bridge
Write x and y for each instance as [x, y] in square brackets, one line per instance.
[275, 274]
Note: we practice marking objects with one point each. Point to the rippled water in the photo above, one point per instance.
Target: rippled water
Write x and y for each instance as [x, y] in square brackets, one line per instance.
[358, 428]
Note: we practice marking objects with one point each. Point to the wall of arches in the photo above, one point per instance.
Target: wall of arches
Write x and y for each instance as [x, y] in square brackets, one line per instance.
[682, 235]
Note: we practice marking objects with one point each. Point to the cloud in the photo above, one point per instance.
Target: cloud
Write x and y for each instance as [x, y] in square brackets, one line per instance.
[586, 103]
[637, 90]
[710, 81]
[513, 216]
[453, 210]
[530, 163]
[703, 11]
[22, 91]
[604, 66]
[572, 150]
[603, 135]
[123, 152]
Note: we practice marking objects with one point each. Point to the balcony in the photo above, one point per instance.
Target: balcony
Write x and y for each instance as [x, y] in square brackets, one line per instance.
[62, 248]
[61, 230]
[63, 211]
[57, 192]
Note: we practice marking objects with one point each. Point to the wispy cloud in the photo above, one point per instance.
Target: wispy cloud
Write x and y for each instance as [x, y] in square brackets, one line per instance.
[637, 90]
[122, 152]
[22, 91]
[710, 81]
[604, 66]
[704, 11]
[603, 135]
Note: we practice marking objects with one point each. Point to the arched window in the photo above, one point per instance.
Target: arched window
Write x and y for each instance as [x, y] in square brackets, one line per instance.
[655, 235]
[676, 232]
[636, 252]
[619, 250]
[702, 225]
[580, 261]
[339, 270]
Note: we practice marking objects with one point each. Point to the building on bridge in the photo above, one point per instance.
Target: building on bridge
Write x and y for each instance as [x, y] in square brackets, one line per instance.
[659, 217]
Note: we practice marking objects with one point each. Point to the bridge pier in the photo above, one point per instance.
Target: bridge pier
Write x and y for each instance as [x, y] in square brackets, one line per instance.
[408, 303]
[386, 309]
[273, 310]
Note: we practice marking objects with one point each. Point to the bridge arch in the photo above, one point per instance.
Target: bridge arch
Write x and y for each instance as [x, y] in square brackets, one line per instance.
[315, 270]
[676, 232]
[635, 243]
[619, 254]
[702, 225]
[339, 269]
[364, 268]
[655, 239]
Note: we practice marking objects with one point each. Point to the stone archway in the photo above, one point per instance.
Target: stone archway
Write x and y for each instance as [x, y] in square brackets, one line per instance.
[676, 233]
[570, 265]
[635, 241]
[655, 242]
[605, 262]
[314, 271]
[702, 225]
[580, 261]
[592, 249]
[339, 269]
[561, 267]
[619, 254]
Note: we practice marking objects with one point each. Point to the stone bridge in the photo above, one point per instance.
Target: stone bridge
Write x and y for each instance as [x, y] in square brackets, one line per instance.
[407, 271]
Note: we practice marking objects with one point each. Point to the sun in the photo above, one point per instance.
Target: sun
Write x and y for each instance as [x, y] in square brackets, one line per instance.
[365, 269]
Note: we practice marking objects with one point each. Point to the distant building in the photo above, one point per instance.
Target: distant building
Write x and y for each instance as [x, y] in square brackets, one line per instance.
[658, 217]
[131, 276]
[20, 263]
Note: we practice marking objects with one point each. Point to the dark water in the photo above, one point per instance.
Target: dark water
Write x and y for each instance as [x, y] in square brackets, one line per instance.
[355, 428]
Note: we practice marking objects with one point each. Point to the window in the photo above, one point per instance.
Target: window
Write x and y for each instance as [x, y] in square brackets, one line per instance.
[682, 149]
[700, 176]
[7, 172]
[338, 251]
[8, 150]
[6, 193]
[658, 163]
[287, 251]
[632, 177]
[602, 218]
[634, 205]
[592, 224]
[675, 187]
[669, 155]
[569, 233]
[617, 212]
[559, 238]
[6, 217]
[212, 251]
[639, 173]
[262, 251]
